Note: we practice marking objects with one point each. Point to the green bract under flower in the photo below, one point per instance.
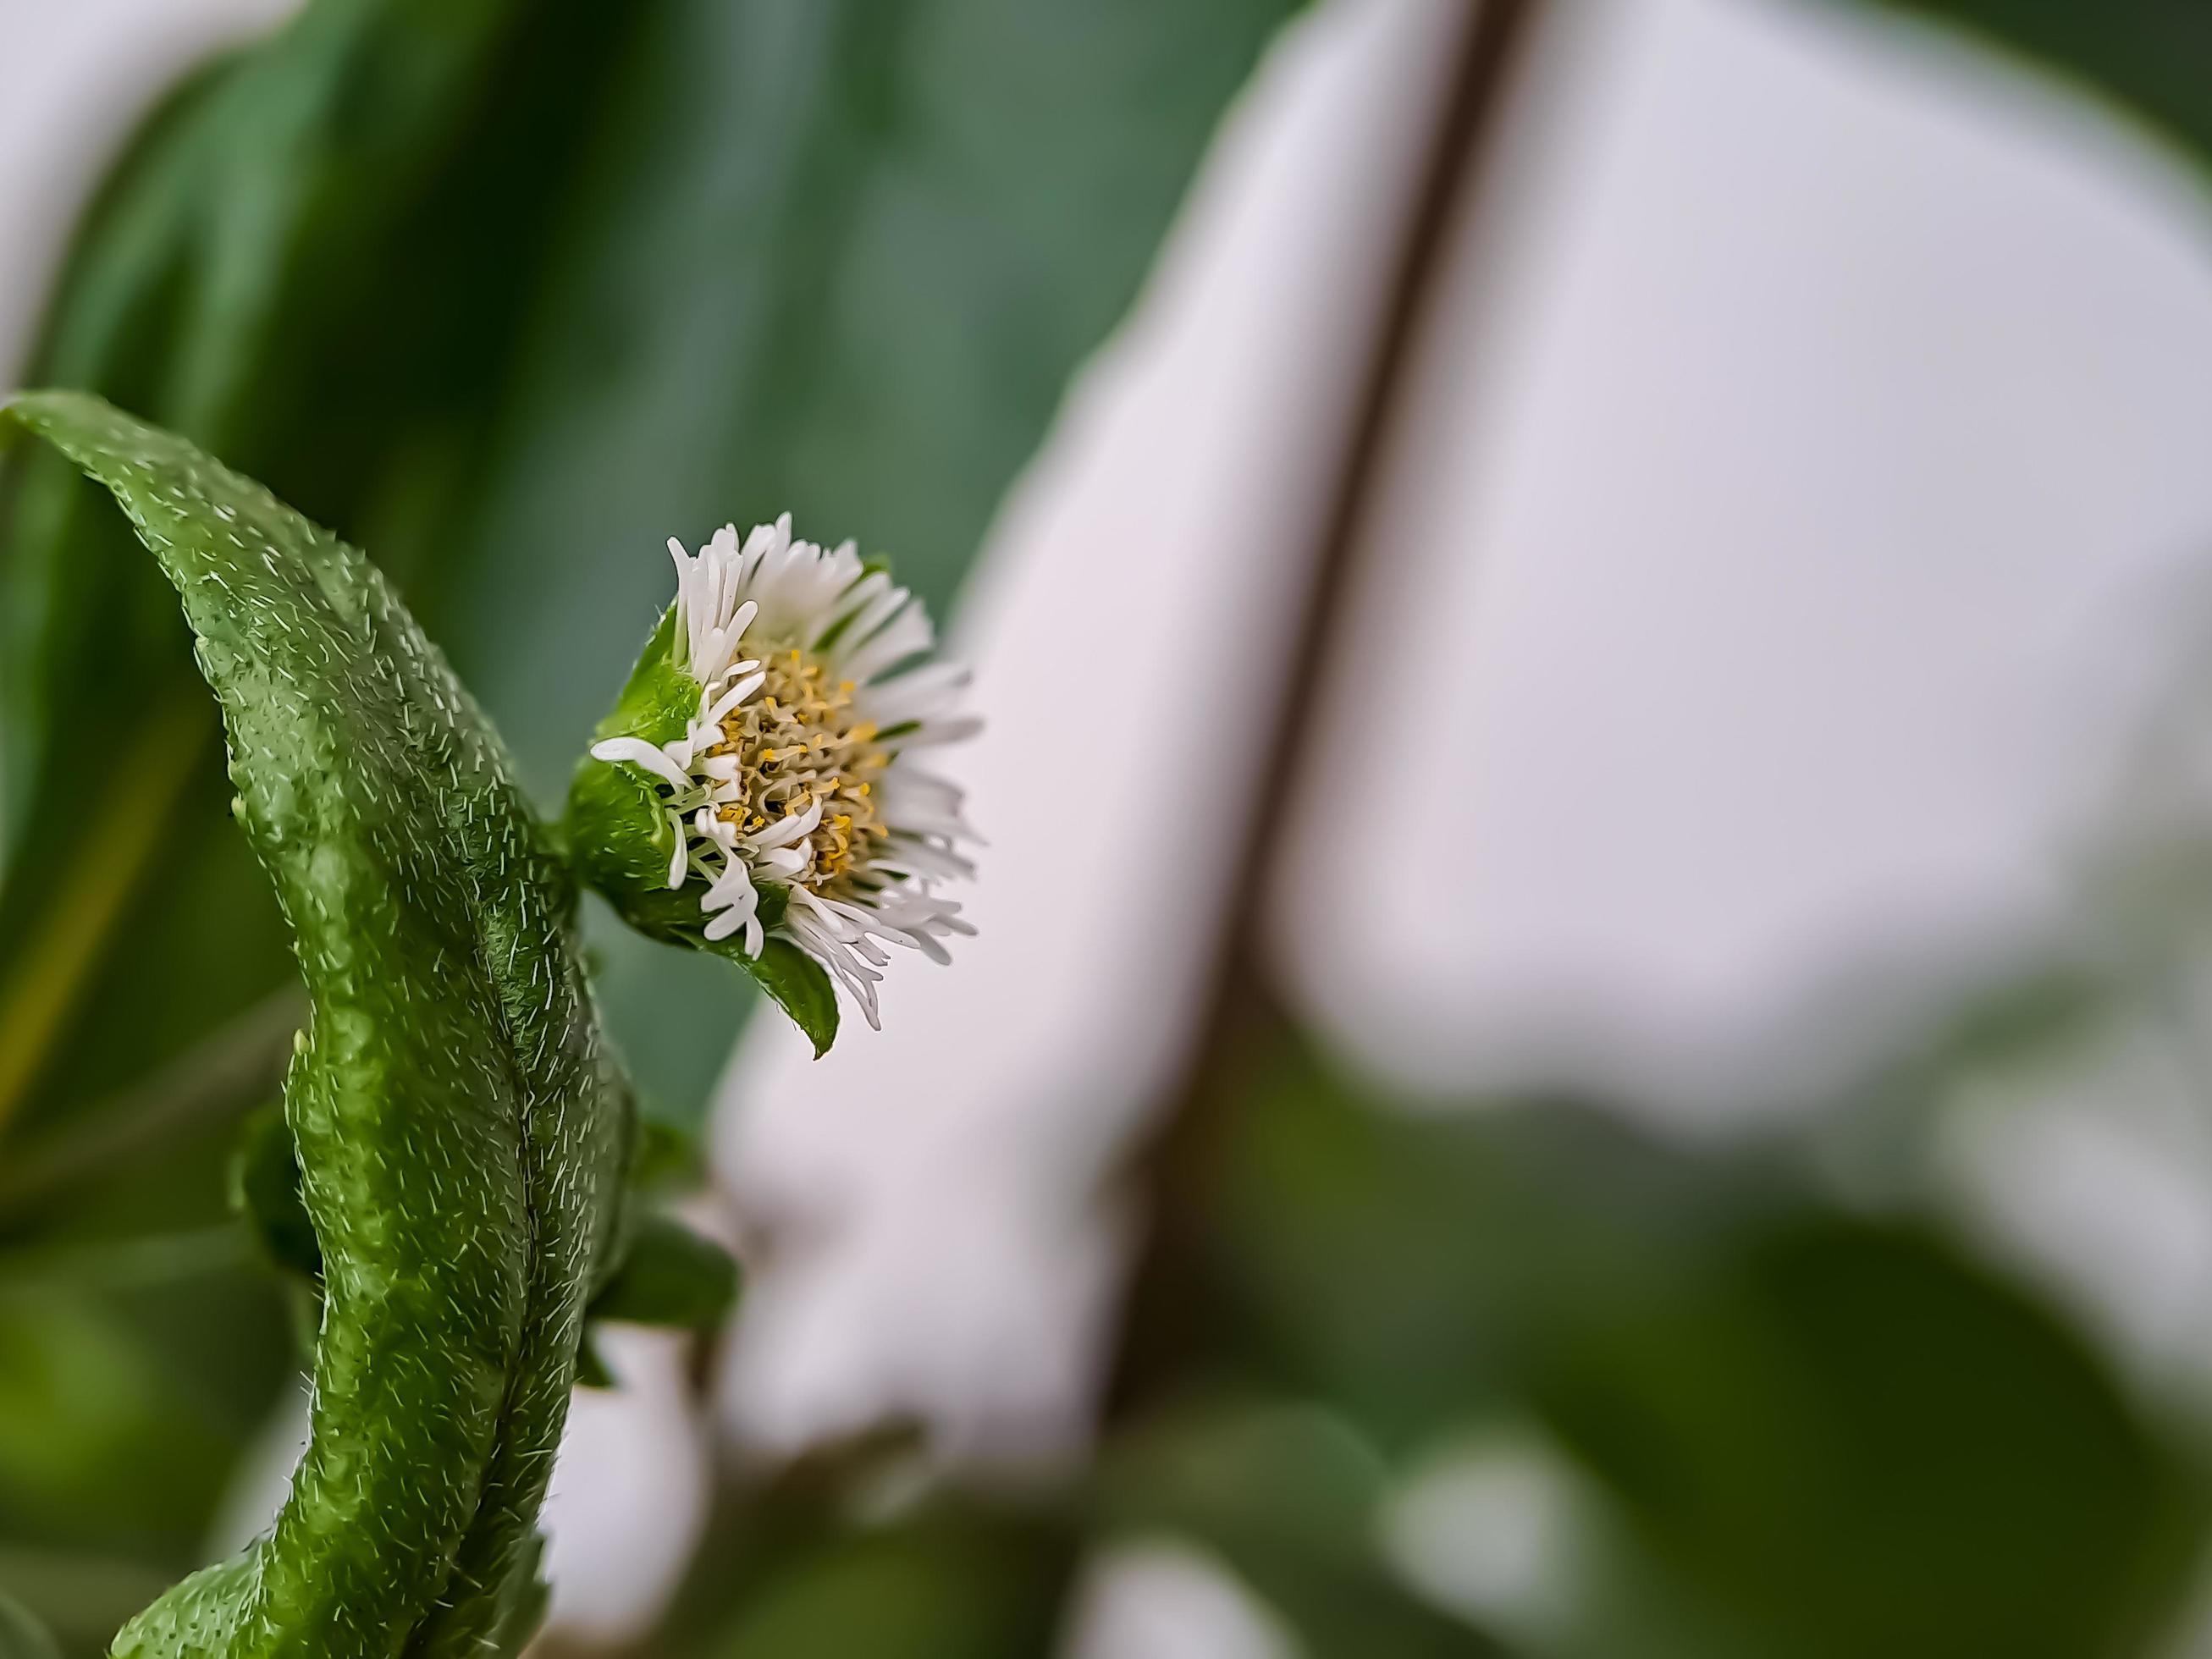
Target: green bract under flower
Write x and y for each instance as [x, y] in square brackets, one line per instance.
[757, 779]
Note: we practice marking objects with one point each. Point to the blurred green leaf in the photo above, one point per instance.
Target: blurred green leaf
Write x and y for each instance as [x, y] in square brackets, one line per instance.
[82, 1599]
[671, 1276]
[527, 1599]
[140, 1352]
[1288, 1497]
[941, 1585]
[666, 1157]
[793, 1554]
[190, 1098]
[311, 264]
[837, 256]
[592, 1368]
[265, 1194]
[2150, 59]
[1832, 1428]
[95, 1444]
[619, 842]
[22, 1636]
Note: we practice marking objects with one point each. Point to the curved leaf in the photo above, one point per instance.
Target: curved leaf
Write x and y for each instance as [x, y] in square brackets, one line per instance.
[311, 261]
[459, 1126]
[670, 1276]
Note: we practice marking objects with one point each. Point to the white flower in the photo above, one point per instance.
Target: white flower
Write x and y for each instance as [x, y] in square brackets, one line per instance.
[797, 772]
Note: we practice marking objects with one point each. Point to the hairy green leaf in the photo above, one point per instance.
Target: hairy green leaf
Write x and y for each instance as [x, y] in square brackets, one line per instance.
[459, 1126]
[839, 257]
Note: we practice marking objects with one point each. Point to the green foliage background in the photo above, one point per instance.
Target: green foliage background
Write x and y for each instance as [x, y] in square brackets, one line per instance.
[463, 1134]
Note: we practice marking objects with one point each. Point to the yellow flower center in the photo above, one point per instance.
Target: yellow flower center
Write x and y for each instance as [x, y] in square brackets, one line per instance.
[796, 742]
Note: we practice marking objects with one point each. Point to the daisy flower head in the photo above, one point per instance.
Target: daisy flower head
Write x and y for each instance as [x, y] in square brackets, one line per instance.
[772, 740]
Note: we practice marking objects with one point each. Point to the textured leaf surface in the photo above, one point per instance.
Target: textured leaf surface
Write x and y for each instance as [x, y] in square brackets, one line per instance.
[459, 1125]
[265, 1194]
[1290, 1499]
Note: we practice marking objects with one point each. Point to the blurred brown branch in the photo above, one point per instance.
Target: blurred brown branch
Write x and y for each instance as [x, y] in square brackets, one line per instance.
[1162, 1311]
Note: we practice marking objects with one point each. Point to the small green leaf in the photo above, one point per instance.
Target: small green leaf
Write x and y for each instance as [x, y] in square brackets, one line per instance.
[800, 987]
[591, 1371]
[671, 1277]
[264, 1195]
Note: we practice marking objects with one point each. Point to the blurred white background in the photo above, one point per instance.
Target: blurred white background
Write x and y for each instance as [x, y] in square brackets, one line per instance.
[1757, 605]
